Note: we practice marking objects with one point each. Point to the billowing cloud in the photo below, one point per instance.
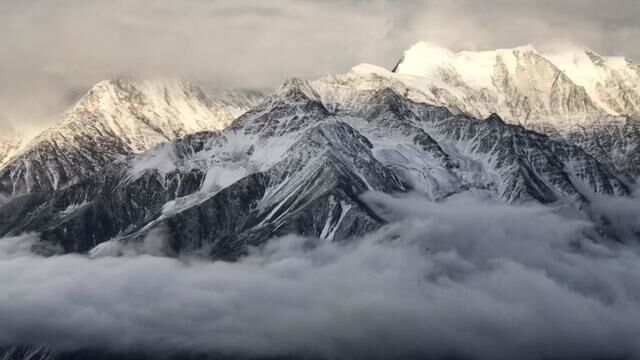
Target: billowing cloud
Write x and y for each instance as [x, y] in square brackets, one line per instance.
[54, 51]
[467, 277]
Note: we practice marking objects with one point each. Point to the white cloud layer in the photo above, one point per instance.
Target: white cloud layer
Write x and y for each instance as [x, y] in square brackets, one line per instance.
[52, 51]
[467, 277]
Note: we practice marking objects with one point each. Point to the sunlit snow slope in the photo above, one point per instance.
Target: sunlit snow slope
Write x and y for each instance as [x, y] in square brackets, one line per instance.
[524, 84]
[117, 118]
[591, 100]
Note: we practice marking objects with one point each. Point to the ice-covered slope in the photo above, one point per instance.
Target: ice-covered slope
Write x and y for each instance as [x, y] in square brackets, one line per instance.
[114, 119]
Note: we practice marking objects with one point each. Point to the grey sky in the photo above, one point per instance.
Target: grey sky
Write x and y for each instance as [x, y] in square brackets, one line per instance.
[52, 51]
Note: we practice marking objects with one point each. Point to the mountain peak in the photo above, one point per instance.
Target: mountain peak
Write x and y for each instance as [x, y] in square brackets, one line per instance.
[298, 87]
[129, 84]
[423, 57]
[523, 84]
[495, 118]
[430, 47]
[435, 51]
[525, 48]
[296, 83]
[116, 118]
[595, 57]
[365, 68]
[118, 84]
[139, 108]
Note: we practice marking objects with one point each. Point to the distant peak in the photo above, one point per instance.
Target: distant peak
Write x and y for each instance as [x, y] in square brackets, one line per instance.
[116, 81]
[594, 57]
[104, 84]
[371, 69]
[150, 87]
[589, 51]
[428, 59]
[298, 85]
[124, 81]
[435, 49]
[526, 48]
[294, 82]
[430, 46]
[495, 118]
[110, 85]
[427, 49]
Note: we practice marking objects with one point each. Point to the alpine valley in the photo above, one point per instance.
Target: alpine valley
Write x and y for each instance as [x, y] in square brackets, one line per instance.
[219, 173]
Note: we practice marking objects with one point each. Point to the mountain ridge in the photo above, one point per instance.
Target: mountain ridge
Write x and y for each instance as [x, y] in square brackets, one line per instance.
[114, 119]
[290, 165]
[528, 89]
[598, 76]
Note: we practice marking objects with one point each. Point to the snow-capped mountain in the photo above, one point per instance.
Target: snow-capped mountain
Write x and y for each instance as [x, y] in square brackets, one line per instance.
[579, 96]
[525, 85]
[298, 163]
[114, 119]
[213, 174]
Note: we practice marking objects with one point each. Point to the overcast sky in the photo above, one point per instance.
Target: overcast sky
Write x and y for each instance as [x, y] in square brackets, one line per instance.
[53, 51]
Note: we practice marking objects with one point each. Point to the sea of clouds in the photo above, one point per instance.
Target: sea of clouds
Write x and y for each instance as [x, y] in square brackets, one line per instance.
[467, 278]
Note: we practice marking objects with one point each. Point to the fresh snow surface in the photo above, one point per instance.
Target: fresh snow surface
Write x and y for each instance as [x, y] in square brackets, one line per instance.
[523, 85]
[116, 119]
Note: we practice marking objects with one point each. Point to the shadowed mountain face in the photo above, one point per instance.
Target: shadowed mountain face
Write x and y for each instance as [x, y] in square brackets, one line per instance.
[291, 165]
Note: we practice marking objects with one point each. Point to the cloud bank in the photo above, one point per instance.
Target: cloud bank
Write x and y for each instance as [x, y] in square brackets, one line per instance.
[55, 51]
[468, 277]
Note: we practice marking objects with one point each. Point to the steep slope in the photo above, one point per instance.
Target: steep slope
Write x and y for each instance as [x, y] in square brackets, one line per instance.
[525, 165]
[115, 119]
[314, 191]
